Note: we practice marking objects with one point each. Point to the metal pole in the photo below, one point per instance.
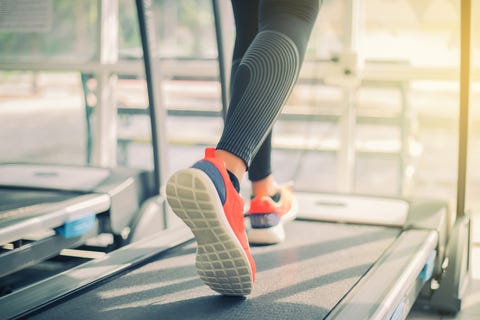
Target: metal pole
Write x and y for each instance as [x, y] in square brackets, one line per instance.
[156, 113]
[222, 63]
[347, 149]
[105, 140]
[465, 28]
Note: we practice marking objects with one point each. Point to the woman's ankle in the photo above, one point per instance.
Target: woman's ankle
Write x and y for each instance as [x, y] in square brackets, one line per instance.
[233, 163]
[265, 187]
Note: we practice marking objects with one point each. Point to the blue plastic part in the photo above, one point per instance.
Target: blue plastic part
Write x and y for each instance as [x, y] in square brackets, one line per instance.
[427, 270]
[77, 227]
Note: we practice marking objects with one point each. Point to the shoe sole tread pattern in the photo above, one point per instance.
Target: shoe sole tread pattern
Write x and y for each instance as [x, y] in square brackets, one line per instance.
[221, 261]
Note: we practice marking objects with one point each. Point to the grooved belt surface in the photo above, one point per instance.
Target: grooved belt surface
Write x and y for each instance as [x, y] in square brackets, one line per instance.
[302, 278]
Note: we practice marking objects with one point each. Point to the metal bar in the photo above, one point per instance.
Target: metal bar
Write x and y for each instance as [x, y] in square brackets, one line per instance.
[105, 133]
[224, 82]
[157, 117]
[206, 68]
[403, 173]
[346, 157]
[104, 140]
[88, 113]
[465, 37]
[286, 115]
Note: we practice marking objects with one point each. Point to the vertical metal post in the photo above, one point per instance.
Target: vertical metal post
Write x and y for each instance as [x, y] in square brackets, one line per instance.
[465, 37]
[88, 118]
[156, 111]
[347, 149]
[105, 137]
[224, 54]
[404, 171]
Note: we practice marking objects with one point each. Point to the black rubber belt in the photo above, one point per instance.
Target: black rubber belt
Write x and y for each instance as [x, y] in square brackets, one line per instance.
[302, 278]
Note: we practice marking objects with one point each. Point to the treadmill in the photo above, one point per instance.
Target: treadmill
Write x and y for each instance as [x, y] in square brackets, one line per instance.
[47, 210]
[326, 270]
[347, 257]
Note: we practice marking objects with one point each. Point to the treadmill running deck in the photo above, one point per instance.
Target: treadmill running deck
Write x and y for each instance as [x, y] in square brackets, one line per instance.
[302, 278]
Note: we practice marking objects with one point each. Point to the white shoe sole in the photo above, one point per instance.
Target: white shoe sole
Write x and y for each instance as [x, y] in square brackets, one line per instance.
[274, 234]
[221, 261]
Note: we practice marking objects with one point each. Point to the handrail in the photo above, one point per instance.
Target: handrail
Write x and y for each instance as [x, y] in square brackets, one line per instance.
[208, 68]
[464, 104]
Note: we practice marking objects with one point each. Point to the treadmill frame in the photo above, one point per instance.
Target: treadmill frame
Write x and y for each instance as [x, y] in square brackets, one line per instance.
[390, 285]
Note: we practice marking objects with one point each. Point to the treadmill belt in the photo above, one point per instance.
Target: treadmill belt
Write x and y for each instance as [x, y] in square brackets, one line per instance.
[302, 278]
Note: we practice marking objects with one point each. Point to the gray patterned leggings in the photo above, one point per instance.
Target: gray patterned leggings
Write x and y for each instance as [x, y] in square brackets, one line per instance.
[271, 39]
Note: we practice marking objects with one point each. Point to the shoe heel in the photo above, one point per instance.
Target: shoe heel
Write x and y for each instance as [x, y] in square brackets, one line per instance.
[221, 262]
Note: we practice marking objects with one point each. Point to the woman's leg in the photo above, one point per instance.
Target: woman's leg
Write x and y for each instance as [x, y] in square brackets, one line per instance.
[246, 26]
[263, 80]
[206, 196]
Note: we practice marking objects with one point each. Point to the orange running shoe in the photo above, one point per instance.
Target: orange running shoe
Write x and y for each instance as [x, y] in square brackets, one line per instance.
[268, 214]
[204, 197]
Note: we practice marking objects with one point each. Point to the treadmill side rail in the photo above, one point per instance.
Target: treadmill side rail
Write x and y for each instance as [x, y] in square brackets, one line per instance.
[40, 250]
[431, 215]
[393, 283]
[53, 216]
[42, 294]
[455, 278]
